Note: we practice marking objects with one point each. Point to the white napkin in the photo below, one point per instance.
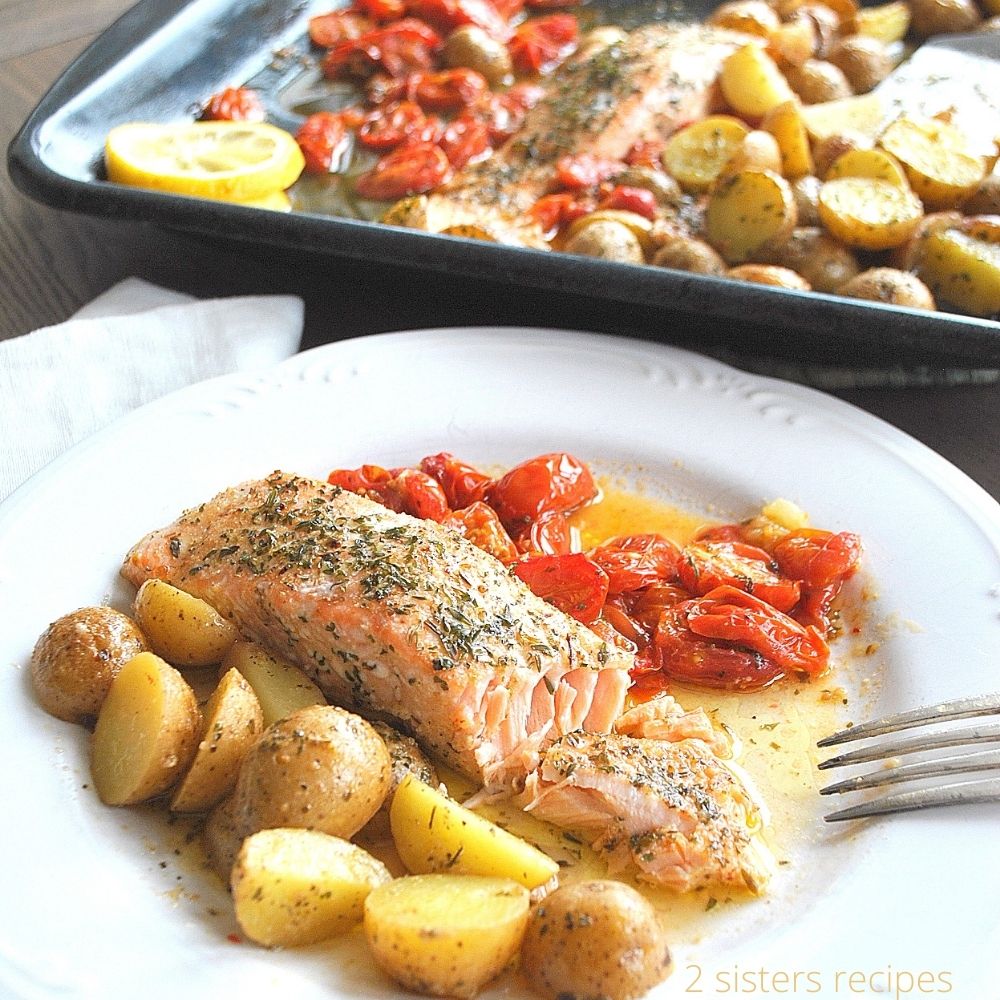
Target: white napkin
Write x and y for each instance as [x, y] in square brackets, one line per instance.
[132, 344]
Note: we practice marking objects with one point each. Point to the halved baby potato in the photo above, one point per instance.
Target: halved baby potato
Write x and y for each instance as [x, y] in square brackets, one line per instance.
[280, 687]
[146, 734]
[748, 213]
[695, 155]
[869, 214]
[751, 82]
[183, 629]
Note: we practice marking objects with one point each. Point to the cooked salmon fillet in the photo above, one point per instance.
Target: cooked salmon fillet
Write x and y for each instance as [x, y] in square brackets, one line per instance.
[600, 103]
[394, 617]
[670, 813]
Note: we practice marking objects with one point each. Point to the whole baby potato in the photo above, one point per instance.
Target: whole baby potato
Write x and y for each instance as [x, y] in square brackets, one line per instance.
[321, 768]
[864, 61]
[686, 253]
[608, 240]
[817, 81]
[889, 285]
[943, 17]
[407, 758]
[471, 47]
[823, 261]
[597, 940]
[78, 656]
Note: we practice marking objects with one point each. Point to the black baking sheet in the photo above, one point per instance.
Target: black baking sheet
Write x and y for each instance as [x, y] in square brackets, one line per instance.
[164, 58]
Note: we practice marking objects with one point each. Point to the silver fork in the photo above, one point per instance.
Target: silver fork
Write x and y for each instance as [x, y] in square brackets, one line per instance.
[958, 765]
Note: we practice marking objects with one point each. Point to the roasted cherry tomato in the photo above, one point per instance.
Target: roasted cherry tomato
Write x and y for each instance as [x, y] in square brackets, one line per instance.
[631, 199]
[542, 43]
[550, 4]
[818, 558]
[572, 583]
[612, 636]
[684, 656]
[406, 491]
[624, 624]
[451, 89]
[636, 561]
[397, 49]
[552, 483]
[481, 526]
[547, 535]
[394, 124]
[463, 484]
[707, 565]
[466, 140]
[411, 169]
[508, 9]
[815, 607]
[234, 104]
[504, 113]
[381, 10]
[322, 139]
[338, 26]
[553, 211]
[733, 615]
[585, 171]
[647, 605]
[720, 533]
[645, 153]
[450, 14]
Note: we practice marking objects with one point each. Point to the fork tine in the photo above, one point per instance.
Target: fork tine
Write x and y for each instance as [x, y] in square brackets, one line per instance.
[965, 763]
[961, 793]
[932, 741]
[963, 708]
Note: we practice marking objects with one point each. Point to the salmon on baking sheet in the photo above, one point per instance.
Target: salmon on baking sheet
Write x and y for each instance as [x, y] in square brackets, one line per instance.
[600, 103]
[394, 617]
[668, 812]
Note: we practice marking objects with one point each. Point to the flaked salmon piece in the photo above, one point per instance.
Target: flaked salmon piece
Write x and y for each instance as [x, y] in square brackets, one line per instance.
[600, 103]
[663, 718]
[669, 813]
[394, 617]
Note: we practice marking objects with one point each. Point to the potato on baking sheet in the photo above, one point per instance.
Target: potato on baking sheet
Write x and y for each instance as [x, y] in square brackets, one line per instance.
[874, 163]
[936, 159]
[962, 269]
[751, 82]
[695, 155]
[146, 733]
[232, 723]
[280, 687]
[446, 935]
[294, 887]
[887, 23]
[869, 214]
[749, 212]
[785, 123]
[433, 833]
[186, 631]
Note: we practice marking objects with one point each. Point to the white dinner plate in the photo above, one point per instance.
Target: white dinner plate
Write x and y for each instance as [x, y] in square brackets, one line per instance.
[96, 903]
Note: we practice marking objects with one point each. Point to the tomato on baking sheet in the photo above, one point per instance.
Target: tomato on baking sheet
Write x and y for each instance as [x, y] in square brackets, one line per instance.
[404, 47]
[573, 583]
[234, 104]
[631, 199]
[541, 44]
[466, 140]
[450, 89]
[707, 565]
[411, 169]
[322, 138]
[381, 10]
[552, 483]
[390, 126]
[553, 211]
[585, 170]
[327, 30]
[450, 14]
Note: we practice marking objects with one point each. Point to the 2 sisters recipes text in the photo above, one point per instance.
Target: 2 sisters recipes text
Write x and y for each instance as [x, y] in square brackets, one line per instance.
[390, 627]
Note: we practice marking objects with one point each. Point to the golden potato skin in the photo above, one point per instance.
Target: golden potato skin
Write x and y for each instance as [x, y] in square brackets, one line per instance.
[943, 17]
[769, 274]
[598, 940]
[321, 768]
[823, 261]
[685, 253]
[864, 61]
[817, 81]
[186, 631]
[78, 656]
[607, 240]
[889, 285]
[985, 200]
[473, 48]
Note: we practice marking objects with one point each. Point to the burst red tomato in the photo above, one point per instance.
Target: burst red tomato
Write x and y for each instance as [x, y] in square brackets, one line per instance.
[397, 123]
[466, 140]
[615, 614]
[553, 211]
[572, 583]
[548, 535]
[234, 104]
[398, 49]
[707, 565]
[636, 561]
[733, 615]
[323, 140]
[450, 89]
[463, 484]
[645, 153]
[818, 558]
[550, 4]
[612, 637]
[631, 199]
[552, 483]
[647, 605]
[411, 169]
[338, 26]
[585, 171]
[721, 533]
[381, 10]
[450, 14]
[481, 526]
[815, 607]
[406, 491]
[542, 43]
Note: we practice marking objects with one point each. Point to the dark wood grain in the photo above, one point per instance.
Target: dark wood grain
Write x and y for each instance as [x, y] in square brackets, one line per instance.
[52, 262]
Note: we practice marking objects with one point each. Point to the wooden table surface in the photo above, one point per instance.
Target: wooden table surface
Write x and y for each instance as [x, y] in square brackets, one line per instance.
[52, 262]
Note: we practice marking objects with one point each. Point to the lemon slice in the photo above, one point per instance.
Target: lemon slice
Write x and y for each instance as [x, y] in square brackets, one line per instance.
[232, 161]
[276, 201]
